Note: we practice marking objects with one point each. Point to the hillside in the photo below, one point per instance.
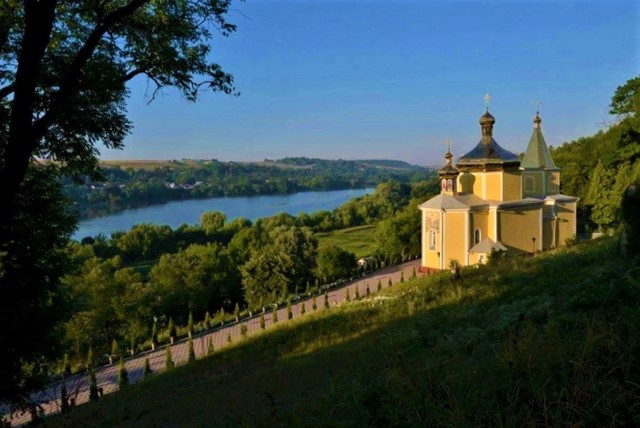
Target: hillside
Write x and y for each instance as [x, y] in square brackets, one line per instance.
[550, 340]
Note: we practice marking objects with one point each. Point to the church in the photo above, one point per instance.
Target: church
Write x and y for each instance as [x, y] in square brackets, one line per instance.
[493, 201]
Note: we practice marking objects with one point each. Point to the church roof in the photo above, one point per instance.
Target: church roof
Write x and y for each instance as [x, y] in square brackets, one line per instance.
[488, 151]
[450, 202]
[562, 198]
[537, 155]
[487, 246]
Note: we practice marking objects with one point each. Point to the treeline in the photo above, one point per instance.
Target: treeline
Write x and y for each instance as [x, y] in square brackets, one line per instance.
[126, 286]
[598, 169]
[124, 188]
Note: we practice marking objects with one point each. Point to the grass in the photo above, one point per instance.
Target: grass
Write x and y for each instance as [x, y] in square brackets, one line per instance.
[550, 340]
[359, 240]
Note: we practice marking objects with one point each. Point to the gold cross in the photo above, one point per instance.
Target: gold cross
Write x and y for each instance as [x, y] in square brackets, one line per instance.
[487, 97]
[538, 109]
[449, 145]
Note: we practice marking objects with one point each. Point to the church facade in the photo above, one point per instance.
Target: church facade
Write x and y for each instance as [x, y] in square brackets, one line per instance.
[492, 201]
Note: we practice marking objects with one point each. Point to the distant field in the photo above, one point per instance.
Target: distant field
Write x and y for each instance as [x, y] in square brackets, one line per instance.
[148, 164]
[359, 240]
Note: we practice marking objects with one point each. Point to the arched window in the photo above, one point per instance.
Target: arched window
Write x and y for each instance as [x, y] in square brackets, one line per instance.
[432, 239]
[444, 185]
[477, 236]
[529, 184]
[449, 185]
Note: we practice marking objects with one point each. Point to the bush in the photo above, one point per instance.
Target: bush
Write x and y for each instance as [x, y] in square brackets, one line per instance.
[192, 353]
[172, 331]
[66, 365]
[168, 360]
[123, 376]
[314, 306]
[379, 285]
[243, 330]
[303, 309]
[368, 291]
[210, 348]
[147, 368]
[326, 300]
[64, 398]
[262, 323]
[207, 320]
[93, 384]
[190, 324]
[289, 311]
[275, 314]
[347, 297]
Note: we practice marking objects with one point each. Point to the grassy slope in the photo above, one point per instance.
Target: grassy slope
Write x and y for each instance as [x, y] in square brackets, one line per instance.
[544, 341]
[359, 240]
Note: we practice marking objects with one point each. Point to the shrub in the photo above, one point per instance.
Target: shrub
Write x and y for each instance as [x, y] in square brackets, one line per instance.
[326, 300]
[147, 368]
[93, 384]
[115, 351]
[401, 276]
[66, 365]
[357, 293]
[368, 291]
[262, 323]
[123, 376]
[192, 353]
[172, 331]
[414, 275]
[210, 348]
[347, 297]
[379, 285]
[207, 320]
[190, 324]
[390, 283]
[275, 314]
[236, 312]
[289, 311]
[229, 338]
[314, 306]
[243, 330]
[168, 360]
[303, 309]
[64, 398]
[154, 335]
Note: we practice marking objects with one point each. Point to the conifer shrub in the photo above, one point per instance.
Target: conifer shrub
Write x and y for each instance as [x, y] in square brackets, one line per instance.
[123, 376]
[207, 320]
[154, 335]
[357, 293]
[90, 357]
[243, 330]
[347, 297]
[414, 275]
[132, 345]
[115, 351]
[192, 352]
[307, 290]
[210, 348]
[147, 368]
[66, 365]
[289, 311]
[326, 300]
[262, 323]
[390, 283]
[275, 314]
[93, 385]
[303, 309]
[401, 276]
[172, 331]
[236, 312]
[379, 285]
[368, 291]
[314, 306]
[64, 398]
[168, 359]
[229, 338]
[190, 324]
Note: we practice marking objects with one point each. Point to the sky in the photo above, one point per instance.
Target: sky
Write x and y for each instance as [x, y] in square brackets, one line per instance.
[368, 79]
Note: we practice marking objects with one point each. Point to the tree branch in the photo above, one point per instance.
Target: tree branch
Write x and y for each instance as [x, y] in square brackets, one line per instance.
[7, 90]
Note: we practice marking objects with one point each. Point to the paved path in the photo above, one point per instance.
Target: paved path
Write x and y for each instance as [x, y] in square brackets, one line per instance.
[107, 376]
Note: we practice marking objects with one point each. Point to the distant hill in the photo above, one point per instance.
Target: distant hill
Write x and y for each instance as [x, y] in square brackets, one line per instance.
[392, 164]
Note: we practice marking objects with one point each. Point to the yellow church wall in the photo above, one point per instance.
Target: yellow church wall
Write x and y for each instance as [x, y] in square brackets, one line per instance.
[516, 228]
[491, 225]
[478, 220]
[532, 183]
[512, 186]
[430, 221]
[455, 237]
[493, 185]
[566, 223]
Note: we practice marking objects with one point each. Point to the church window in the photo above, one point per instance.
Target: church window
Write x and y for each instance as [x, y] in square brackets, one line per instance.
[449, 185]
[529, 184]
[477, 236]
[444, 185]
[432, 240]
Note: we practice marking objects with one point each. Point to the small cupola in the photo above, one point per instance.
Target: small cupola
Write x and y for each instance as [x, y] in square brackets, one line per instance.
[449, 175]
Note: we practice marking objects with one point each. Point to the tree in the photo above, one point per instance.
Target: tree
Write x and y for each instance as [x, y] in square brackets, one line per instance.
[626, 99]
[379, 287]
[154, 335]
[334, 263]
[64, 70]
[347, 297]
[123, 376]
[212, 221]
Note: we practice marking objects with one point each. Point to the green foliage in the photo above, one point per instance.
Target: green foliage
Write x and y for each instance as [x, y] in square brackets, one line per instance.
[326, 300]
[368, 291]
[334, 263]
[192, 353]
[303, 309]
[115, 348]
[414, 275]
[401, 276]
[212, 221]
[357, 293]
[243, 330]
[262, 321]
[379, 287]
[398, 237]
[390, 283]
[314, 306]
[236, 312]
[154, 334]
[626, 99]
[207, 320]
[66, 365]
[347, 297]
[229, 338]
[275, 314]
[123, 376]
[289, 311]
[630, 215]
[168, 359]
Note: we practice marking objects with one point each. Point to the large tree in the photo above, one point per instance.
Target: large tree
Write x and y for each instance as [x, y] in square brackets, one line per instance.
[64, 70]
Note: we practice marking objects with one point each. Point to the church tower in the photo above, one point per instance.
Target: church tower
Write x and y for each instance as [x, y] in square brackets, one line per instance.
[449, 175]
[490, 171]
[540, 176]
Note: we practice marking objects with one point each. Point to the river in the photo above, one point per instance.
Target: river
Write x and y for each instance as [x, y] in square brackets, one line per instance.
[252, 207]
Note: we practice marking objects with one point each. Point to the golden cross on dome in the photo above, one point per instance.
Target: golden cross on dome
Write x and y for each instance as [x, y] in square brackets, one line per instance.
[449, 145]
[487, 97]
[538, 109]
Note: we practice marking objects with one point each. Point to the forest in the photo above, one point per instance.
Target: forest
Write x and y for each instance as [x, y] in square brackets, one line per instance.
[122, 187]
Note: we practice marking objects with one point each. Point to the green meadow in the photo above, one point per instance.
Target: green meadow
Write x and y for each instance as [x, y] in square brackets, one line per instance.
[551, 340]
[359, 240]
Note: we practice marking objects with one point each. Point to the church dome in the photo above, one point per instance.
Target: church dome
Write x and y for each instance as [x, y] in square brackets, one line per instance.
[487, 118]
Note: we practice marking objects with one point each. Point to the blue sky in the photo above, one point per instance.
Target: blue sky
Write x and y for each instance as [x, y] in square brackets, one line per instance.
[353, 79]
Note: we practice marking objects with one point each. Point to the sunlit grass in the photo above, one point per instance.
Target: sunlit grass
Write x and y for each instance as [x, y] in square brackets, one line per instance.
[359, 240]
